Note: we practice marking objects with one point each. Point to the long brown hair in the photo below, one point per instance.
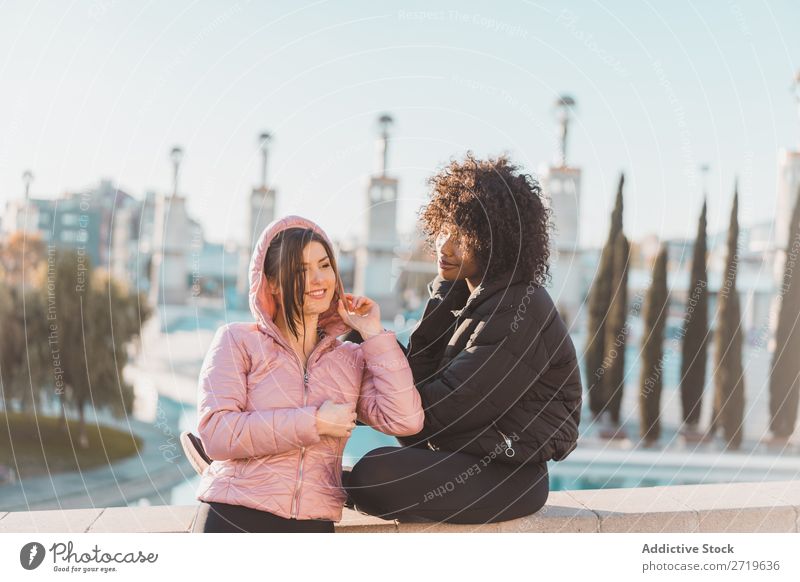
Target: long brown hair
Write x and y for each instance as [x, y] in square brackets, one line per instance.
[283, 264]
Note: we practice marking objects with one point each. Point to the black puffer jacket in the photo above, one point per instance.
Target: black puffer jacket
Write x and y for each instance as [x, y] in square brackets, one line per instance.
[499, 373]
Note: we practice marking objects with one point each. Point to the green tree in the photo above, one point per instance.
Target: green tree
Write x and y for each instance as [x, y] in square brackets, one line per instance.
[115, 319]
[694, 349]
[599, 304]
[784, 379]
[32, 379]
[617, 331]
[23, 346]
[729, 373]
[10, 339]
[69, 332]
[66, 294]
[21, 263]
[651, 382]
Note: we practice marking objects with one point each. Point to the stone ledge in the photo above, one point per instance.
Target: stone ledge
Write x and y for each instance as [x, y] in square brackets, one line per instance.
[737, 507]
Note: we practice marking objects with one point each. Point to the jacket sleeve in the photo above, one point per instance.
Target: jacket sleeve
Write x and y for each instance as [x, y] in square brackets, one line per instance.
[227, 429]
[483, 382]
[388, 401]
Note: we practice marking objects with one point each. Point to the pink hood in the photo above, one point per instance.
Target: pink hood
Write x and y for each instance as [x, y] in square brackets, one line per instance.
[262, 305]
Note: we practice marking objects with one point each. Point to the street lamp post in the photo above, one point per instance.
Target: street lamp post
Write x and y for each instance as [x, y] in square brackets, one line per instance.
[263, 143]
[385, 122]
[563, 105]
[27, 179]
[176, 155]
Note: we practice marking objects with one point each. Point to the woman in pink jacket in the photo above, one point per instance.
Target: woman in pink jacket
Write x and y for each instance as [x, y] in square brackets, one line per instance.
[280, 396]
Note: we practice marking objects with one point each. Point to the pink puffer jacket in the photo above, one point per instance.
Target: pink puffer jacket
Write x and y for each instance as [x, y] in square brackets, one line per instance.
[256, 408]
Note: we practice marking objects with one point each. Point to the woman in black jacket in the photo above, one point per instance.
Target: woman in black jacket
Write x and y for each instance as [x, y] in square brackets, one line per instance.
[492, 360]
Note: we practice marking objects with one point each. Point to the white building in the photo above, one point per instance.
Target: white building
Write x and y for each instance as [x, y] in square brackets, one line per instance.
[561, 184]
[377, 261]
[176, 234]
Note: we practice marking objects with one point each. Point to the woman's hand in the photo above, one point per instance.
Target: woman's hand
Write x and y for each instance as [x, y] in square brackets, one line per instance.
[362, 314]
[336, 420]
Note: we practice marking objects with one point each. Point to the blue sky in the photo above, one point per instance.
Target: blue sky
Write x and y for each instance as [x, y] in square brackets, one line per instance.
[104, 88]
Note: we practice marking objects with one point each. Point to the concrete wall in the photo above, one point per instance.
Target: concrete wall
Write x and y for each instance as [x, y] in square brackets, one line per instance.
[738, 507]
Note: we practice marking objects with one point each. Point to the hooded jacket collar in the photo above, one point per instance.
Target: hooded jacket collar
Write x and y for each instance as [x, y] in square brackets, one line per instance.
[487, 289]
[262, 303]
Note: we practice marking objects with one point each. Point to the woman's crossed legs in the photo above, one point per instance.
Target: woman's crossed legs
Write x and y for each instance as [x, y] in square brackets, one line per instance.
[411, 483]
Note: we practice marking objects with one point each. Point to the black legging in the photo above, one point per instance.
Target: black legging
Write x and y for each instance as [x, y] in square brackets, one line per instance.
[408, 483]
[224, 518]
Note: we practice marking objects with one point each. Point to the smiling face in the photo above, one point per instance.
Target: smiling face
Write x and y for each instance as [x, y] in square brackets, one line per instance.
[453, 261]
[320, 279]
[301, 273]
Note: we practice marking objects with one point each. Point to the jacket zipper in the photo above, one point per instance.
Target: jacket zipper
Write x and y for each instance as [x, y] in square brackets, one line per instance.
[509, 452]
[295, 502]
[296, 495]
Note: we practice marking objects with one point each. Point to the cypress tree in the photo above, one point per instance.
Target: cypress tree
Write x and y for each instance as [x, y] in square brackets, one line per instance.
[617, 331]
[694, 349]
[729, 374]
[784, 379]
[651, 382]
[599, 303]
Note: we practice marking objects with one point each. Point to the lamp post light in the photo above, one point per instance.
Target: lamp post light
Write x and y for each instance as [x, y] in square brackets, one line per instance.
[176, 156]
[563, 105]
[385, 122]
[263, 143]
[27, 179]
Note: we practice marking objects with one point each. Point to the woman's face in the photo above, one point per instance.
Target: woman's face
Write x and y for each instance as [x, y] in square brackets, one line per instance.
[320, 279]
[453, 260]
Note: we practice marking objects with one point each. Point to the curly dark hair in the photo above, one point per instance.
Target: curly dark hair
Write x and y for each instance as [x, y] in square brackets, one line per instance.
[498, 213]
